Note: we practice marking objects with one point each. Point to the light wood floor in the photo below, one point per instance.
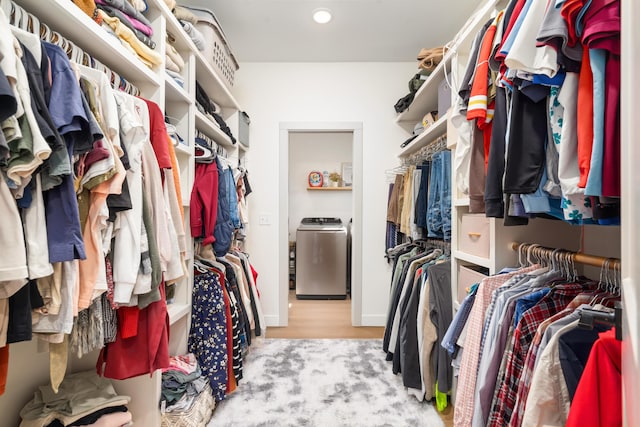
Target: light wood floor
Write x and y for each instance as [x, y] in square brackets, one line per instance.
[329, 319]
[321, 319]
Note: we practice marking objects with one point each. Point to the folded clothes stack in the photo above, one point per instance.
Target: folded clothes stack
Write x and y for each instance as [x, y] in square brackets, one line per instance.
[177, 77]
[83, 399]
[130, 17]
[173, 60]
[207, 107]
[182, 384]
[124, 20]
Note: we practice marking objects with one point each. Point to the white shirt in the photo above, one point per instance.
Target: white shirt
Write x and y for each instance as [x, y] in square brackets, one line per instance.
[524, 54]
[128, 226]
[548, 401]
[568, 170]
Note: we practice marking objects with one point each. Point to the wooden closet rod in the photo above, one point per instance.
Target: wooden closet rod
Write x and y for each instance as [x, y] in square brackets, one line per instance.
[579, 257]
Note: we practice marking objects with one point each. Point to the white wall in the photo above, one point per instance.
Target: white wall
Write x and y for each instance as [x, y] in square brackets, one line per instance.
[317, 151]
[322, 92]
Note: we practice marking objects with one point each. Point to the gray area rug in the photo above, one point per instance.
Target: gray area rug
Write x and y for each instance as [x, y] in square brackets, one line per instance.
[318, 383]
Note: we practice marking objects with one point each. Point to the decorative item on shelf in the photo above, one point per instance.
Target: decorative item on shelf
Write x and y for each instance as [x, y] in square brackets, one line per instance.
[347, 174]
[429, 119]
[315, 179]
[334, 179]
[325, 179]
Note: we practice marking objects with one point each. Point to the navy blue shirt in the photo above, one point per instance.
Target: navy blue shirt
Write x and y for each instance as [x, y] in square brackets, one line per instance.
[574, 348]
[67, 112]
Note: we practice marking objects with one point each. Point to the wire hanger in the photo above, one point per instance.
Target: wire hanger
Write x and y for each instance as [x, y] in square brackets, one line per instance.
[427, 152]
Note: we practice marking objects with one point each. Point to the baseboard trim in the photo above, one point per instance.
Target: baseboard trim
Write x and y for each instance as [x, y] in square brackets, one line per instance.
[272, 320]
[374, 320]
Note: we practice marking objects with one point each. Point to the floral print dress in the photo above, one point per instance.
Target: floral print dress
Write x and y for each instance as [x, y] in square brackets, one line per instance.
[208, 334]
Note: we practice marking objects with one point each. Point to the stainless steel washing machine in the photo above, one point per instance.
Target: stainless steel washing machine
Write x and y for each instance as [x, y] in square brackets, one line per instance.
[321, 259]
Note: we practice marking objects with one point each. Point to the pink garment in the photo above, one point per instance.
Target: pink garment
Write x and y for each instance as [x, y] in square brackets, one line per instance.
[186, 363]
[611, 186]
[140, 26]
[116, 419]
[602, 26]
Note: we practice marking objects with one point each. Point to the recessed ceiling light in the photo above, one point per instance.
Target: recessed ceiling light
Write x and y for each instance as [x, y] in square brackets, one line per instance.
[322, 16]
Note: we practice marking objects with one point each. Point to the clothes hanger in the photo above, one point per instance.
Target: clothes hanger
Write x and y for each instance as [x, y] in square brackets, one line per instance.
[521, 247]
[554, 259]
[601, 290]
[530, 249]
[33, 23]
[200, 266]
[202, 153]
[71, 50]
[611, 279]
[45, 32]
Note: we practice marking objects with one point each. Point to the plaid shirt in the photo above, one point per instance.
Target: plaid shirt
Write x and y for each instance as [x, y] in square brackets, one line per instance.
[471, 354]
[556, 300]
[532, 356]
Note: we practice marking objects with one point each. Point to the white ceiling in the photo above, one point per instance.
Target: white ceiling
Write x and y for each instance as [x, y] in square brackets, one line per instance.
[360, 31]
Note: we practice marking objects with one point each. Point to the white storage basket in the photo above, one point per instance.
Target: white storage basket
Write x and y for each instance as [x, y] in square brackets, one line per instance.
[217, 51]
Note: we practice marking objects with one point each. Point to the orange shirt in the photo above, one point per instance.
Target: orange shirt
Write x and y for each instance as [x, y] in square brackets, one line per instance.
[176, 174]
[4, 367]
[585, 118]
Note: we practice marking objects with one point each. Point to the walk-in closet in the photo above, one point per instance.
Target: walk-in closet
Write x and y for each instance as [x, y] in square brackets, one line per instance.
[319, 213]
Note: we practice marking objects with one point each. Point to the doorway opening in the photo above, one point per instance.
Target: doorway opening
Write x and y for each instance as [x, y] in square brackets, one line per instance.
[319, 147]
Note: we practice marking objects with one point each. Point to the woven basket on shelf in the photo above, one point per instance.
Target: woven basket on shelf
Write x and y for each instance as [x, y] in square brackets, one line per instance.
[198, 415]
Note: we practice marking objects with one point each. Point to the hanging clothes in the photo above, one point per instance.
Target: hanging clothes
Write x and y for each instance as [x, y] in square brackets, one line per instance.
[417, 316]
[87, 237]
[555, 139]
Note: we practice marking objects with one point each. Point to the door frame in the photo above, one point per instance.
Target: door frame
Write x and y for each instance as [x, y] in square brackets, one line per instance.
[283, 216]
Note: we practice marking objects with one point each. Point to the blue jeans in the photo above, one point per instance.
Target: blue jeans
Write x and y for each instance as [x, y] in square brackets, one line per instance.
[439, 203]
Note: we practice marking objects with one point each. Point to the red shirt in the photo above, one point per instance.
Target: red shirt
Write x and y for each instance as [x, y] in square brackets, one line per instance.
[143, 353]
[204, 202]
[158, 134]
[4, 367]
[598, 398]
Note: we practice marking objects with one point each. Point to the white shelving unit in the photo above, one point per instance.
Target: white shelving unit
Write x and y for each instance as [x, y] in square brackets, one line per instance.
[426, 98]
[212, 83]
[175, 93]
[209, 128]
[429, 135]
[178, 103]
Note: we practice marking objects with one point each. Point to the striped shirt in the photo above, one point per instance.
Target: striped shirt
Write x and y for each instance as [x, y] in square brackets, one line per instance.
[471, 354]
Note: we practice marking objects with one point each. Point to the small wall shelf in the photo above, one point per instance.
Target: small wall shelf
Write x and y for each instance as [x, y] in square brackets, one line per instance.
[329, 188]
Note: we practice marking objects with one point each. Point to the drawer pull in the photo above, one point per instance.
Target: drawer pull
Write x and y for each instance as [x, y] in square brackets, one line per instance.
[472, 235]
